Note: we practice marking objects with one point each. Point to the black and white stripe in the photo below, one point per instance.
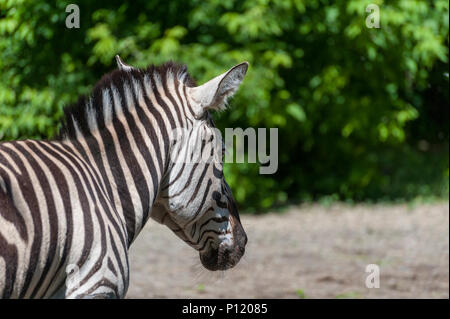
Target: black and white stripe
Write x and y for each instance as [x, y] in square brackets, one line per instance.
[77, 203]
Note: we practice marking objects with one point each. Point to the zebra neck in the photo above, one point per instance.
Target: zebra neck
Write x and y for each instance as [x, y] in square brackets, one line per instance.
[128, 165]
[124, 130]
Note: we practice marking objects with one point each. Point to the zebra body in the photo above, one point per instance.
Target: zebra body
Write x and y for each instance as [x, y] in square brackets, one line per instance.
[75, 204]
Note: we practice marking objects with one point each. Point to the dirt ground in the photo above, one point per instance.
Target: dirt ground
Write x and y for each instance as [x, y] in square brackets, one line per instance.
[311, 251]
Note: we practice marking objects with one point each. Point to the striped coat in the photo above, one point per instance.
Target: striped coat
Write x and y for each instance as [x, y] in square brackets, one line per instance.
[71, 207]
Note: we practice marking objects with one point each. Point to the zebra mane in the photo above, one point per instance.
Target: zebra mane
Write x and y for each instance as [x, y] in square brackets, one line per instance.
[90, 108]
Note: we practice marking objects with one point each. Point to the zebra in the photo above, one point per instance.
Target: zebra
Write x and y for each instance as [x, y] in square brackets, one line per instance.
[70, 207]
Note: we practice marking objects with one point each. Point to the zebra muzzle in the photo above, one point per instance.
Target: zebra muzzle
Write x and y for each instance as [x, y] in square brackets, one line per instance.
[226, 256]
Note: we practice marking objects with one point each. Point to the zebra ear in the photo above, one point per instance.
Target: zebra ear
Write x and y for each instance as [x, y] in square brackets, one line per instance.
[214, 93]
[122, 65]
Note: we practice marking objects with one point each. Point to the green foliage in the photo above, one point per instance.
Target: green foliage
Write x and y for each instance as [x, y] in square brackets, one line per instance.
[362, 113]
[301, 294]
[349, 295]
[201, 287]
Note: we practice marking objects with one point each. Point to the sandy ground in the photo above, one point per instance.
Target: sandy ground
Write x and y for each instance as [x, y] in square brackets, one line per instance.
[310, 251]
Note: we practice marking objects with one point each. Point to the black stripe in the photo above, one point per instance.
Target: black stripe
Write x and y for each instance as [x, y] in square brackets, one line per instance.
[111, 267]
[83, 199]
[205, 194]
[128, 152]
[30, 198]
[205, 243]
[53, 217]
[160, 102]
[187, 101]
[214, 219]
[10, 255]
[8, 210]
[170, 97]
[199, 183]
[94, 149]
[119, 178]
[151, 133]
[99, 262]
[207, 232]
[120, 229]
[185, 185]
[117, 256]
[63, 188]
[159, 121]
[145, 121]
[176, 85]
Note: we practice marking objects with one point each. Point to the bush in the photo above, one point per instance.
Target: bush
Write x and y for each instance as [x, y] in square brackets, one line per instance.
[362, 113]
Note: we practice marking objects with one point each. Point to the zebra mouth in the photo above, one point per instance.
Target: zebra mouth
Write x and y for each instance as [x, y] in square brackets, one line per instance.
[222, 258]
[228, 253]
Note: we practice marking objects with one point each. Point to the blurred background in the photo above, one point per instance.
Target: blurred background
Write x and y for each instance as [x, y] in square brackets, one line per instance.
[362, 113]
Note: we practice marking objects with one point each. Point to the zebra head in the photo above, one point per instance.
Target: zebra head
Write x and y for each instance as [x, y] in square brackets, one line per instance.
[195, 201]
